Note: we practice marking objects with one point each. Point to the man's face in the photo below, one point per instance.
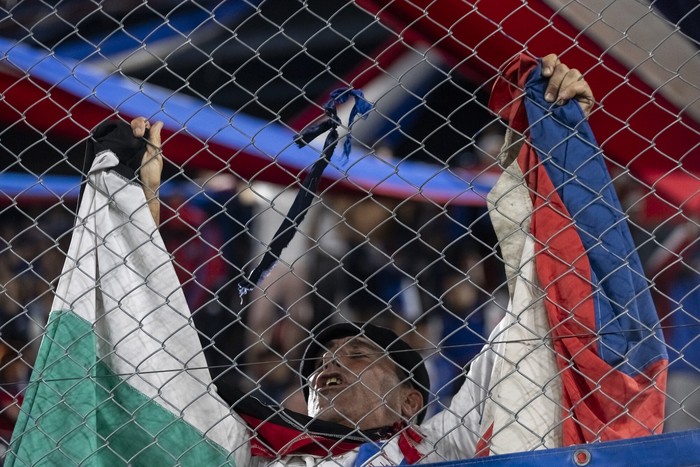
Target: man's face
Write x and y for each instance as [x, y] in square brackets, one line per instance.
[355, 384]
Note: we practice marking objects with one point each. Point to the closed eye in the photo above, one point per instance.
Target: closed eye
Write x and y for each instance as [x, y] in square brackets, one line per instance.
[357, 356]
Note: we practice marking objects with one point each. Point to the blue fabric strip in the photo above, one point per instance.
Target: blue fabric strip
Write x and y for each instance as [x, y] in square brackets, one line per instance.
[631, 337]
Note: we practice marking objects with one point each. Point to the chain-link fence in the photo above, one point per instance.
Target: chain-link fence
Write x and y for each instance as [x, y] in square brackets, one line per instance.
[560, 309]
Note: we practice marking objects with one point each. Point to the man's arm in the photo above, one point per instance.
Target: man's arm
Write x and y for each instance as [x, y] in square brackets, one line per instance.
[456, 430]
[151, 164]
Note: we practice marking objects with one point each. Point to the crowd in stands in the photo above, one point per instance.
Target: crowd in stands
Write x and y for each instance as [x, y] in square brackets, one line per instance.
[32, 241]
[429, 272]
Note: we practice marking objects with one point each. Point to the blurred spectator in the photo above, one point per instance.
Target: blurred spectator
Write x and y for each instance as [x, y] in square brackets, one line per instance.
[683, 341]
[13, 374]
[462, 325]
[279, 311]
[206, 231]
[30, 260]
[483, 155]
[675, 270]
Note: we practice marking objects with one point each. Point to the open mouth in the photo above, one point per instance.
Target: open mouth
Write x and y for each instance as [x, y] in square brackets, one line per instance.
[330, 383]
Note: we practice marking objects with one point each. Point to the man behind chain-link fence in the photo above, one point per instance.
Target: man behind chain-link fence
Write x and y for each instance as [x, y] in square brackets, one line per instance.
[366, 389]
[366, 378]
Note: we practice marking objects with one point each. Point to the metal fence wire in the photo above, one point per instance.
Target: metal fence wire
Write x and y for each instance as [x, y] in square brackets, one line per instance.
[546, 290]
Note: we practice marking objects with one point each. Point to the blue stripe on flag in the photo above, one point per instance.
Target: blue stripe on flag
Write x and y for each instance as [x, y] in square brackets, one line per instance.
[625, 313]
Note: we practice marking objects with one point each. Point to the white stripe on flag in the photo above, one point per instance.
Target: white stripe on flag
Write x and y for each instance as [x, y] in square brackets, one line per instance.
[523, 406]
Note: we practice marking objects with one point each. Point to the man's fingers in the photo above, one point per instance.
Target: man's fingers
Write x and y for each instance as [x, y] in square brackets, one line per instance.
[571, 85]
[579, 90]
[139, 126]
[154, 134]
[152, 161]
[565, 84]
[548, 64]
[551, 94]
[153, 149]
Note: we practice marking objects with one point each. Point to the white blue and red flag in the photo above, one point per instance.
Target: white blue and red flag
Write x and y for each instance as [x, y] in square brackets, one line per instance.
[579, 297]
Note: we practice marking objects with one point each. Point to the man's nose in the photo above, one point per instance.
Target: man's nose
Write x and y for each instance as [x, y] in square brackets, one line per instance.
[329, 359]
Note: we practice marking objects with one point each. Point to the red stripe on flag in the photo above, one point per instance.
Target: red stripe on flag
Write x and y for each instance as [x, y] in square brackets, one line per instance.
[482, 446]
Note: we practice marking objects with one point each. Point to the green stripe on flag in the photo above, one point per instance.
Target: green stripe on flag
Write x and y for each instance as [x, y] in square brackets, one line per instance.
[78, 412]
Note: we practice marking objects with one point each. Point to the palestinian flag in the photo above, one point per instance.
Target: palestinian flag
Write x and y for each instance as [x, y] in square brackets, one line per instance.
[120, 378]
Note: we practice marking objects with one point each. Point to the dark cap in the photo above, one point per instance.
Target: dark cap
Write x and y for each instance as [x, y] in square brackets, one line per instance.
[406, 358]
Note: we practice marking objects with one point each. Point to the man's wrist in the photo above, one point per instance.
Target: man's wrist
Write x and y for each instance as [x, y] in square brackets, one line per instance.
[150, 191]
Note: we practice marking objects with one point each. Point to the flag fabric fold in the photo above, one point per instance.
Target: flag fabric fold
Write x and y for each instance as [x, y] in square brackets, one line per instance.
[578, 293]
